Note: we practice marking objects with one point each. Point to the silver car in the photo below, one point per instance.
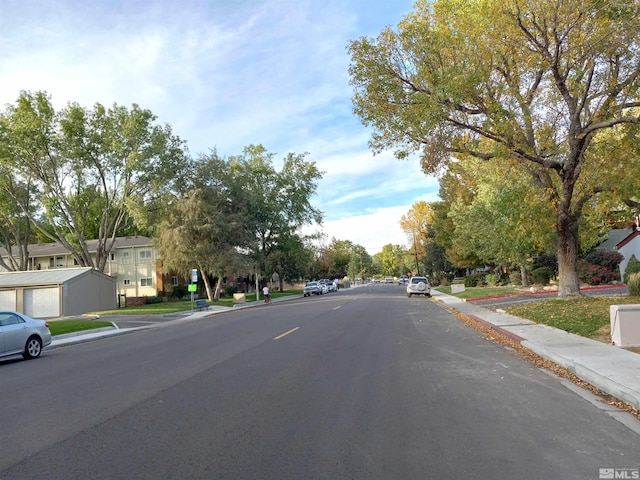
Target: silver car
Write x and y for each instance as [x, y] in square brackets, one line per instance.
[22, 335]
[418, 286]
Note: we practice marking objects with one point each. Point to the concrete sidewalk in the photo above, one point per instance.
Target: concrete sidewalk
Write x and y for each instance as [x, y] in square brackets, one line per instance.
[612, 369]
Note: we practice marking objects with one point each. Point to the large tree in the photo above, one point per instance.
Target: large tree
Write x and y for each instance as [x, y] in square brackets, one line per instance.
[200, 231]
[536, 81]
[507, 222]
[419, 226]
[92, 169]
[415, 224]
[15, 227]
[275, 203]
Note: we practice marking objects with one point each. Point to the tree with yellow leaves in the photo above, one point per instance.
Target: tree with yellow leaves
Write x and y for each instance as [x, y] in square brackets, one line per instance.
[540, 82]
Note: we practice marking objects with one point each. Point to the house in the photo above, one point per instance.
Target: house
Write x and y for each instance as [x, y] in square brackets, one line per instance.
[614, 236]
[57, 292]
[628, 247]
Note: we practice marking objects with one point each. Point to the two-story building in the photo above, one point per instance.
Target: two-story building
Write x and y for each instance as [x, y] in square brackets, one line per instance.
[132, 262]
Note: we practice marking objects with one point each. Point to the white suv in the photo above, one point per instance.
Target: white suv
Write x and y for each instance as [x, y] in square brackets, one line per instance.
[418, 286]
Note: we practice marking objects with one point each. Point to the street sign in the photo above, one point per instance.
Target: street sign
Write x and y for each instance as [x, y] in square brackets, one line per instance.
[194, 275]
[193, 287]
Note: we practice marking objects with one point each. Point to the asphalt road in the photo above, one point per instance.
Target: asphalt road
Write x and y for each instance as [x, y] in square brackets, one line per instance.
[361, 384]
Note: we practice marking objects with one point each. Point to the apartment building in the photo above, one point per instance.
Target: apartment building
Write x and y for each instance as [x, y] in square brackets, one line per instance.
[133, 263]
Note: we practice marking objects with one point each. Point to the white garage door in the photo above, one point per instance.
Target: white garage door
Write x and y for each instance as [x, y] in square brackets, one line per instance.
[42, 302]
[7, 299]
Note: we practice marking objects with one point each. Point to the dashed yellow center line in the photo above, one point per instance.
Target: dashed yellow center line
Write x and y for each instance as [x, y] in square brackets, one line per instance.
[286, 333]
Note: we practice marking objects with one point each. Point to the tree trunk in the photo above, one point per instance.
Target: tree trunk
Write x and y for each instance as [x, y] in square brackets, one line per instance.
[568, 247]
[207, 286]
[524, 275]
[216, 295]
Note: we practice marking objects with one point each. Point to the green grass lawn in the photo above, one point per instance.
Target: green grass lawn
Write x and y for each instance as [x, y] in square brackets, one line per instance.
[479, 292]
[60, 327]
[585, 316]
[165, 308]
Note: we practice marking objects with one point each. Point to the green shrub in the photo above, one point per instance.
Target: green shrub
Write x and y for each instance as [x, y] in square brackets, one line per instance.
[541, 275]
[632, 267]
[634, 284]
[549, 260]
[493, 279]
[475, 280]
[470, 281]
[230, 290]
[515, 278]
[603, 258]
[151, 300]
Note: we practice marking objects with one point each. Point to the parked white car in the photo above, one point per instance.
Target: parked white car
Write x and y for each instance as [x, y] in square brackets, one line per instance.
[418, 286]
[312, 288]
[22, 335]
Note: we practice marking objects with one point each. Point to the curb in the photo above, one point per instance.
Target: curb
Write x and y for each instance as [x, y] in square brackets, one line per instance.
[500, 330]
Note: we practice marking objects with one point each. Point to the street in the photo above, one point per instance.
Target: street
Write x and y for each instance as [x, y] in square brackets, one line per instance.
[364, 383]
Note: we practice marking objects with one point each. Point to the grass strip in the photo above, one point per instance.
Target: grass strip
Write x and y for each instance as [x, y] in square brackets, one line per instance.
[60, 327]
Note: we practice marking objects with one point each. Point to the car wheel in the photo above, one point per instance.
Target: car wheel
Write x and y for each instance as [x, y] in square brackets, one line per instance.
[409, 295]
[421, 286]
[33, 348]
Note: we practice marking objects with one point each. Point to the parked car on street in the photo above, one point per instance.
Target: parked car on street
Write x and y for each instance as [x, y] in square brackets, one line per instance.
[331, 287]
[312, 288]
[418, 286]
[22, 335]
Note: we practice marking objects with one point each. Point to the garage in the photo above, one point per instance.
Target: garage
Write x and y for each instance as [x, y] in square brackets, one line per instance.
[8, 299]
[57, 292]
[42, 302]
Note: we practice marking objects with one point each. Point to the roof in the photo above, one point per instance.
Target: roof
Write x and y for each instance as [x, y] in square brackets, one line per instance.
[42, 277]
[614, 237]
[56, 248]
[628, 238]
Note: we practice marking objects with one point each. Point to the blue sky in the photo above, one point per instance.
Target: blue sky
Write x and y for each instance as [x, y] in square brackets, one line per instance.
[225, 74]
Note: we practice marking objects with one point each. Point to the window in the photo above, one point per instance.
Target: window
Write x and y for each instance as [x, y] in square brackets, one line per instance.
[59, 262]
[146, 282]
[112, 256]
[174, 281]
[126, 281]
[7, 319]
[145, 254]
